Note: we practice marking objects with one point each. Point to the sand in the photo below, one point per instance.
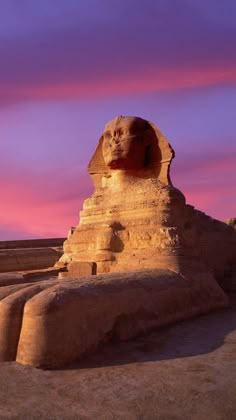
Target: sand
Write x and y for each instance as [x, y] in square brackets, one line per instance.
[186, 371]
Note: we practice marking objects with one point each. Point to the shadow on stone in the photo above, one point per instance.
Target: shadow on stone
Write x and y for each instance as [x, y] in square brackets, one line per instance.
[189, 338]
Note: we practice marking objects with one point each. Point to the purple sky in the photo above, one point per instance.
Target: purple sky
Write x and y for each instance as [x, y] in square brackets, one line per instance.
[69, 66]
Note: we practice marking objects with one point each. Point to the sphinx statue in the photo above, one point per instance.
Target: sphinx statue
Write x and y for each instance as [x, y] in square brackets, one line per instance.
[140, 258]
[129, 221]
[136, 218]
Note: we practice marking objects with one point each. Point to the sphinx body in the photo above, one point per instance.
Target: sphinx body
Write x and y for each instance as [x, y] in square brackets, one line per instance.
[157, 259]
[127, 224]
[136, 218]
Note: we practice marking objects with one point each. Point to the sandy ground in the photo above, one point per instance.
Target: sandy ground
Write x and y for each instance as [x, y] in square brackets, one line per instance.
[187, 371]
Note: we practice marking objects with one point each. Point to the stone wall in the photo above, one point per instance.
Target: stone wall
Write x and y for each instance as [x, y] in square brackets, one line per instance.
[30, 254]
[32, 243]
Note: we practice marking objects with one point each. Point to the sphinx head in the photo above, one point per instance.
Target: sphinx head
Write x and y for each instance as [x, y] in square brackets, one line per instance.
[136, 147]
[126, 143]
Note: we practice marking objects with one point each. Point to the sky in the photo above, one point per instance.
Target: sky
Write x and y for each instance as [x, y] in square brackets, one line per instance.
[69, 66]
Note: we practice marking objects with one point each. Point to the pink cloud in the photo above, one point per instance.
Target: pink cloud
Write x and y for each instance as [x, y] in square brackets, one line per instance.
[212, 202]
[210, 164]
[154, 80]
[208, 181]
[41, 206]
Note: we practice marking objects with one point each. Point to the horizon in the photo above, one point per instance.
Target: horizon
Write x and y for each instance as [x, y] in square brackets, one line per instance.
[67, 69]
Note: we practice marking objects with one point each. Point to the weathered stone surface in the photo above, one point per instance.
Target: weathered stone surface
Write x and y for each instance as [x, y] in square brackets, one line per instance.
[52, 323]
[184, 371]
[12, 301]
[78, 269]
[32, 243]
[44, 273]
[7, 279]
[231, 222]
[136, 218]
[28, 259]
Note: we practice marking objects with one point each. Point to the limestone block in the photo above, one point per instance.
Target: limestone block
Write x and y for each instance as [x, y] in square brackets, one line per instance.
[78, 269]
[32, 243]
[28, 259]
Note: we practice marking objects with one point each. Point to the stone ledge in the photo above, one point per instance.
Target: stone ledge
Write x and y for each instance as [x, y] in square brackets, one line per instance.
[32, 243]
[28, 259]
[10, 278]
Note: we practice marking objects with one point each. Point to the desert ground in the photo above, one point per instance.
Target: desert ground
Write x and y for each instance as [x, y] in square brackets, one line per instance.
[186, 371]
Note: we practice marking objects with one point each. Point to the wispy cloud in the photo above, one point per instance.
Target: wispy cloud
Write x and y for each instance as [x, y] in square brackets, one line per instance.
[158, 80]
[41, 205]
[208, 181]
[127, 48]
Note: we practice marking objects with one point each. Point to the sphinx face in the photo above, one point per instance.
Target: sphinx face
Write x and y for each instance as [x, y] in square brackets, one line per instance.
[124, 143]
